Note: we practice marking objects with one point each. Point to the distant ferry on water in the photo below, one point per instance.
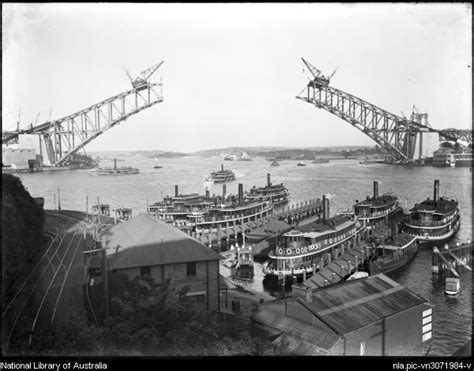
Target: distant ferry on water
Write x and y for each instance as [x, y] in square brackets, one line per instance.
[275, 193]
[200, 212]
[124, 170]
[222, 176]
[304, 250]
[435, 220]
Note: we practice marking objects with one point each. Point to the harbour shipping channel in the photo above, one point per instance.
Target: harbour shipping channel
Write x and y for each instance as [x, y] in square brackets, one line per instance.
[345, 180]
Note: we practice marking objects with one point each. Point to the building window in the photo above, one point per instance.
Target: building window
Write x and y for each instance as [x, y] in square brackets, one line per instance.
[145, 271]
[190, 269]
[362, 348]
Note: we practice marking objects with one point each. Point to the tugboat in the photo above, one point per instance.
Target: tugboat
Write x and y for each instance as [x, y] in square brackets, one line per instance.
[452, 286]
[275, 193]
[242, 264]
[436, 220]
[304, 250]
[222, 176]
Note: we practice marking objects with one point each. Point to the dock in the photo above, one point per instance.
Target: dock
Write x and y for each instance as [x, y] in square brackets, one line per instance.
[337, 270]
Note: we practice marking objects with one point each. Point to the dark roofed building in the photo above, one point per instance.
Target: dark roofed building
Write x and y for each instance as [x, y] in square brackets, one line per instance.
[368, 316]
[146, 246]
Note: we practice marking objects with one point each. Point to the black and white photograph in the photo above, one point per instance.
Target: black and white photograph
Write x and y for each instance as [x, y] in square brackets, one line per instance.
[228, 180]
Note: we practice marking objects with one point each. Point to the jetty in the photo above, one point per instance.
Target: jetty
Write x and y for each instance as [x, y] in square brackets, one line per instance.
[450, 257]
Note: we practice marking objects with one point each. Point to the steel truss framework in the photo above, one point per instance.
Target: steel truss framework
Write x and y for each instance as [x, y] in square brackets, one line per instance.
[395, 134]
[66, 136]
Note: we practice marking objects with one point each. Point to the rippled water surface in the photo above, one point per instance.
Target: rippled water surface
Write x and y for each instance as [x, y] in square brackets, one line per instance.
[345, 180]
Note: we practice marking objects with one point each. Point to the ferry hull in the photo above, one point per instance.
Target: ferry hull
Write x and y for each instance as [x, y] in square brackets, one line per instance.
[391, 266]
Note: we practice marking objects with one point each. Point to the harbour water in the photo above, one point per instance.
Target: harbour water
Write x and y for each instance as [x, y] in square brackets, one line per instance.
[345, 180]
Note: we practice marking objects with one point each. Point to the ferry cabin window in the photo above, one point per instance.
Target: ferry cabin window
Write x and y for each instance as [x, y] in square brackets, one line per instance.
[145, 271]
[191, 269]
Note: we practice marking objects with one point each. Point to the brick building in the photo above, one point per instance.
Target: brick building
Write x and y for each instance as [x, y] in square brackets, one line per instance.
[146, 246]
[370, 316]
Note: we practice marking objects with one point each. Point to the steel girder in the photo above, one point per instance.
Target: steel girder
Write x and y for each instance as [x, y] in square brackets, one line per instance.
[66, 136]
[395, 134]
[465, 135]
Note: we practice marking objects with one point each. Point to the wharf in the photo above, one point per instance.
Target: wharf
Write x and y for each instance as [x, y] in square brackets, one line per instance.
[340, 268]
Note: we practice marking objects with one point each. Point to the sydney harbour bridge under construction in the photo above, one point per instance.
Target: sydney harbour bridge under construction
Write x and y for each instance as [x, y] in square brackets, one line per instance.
[403, 138]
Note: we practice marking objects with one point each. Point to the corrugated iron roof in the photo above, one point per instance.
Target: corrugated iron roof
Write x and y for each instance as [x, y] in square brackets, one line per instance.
[357, 303]
[145, 241]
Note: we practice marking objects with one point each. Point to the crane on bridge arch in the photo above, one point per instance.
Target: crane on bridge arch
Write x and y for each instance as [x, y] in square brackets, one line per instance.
[397, 135]
[66, 136]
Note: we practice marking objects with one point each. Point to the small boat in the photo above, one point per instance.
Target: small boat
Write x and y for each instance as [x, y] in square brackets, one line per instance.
[157, 167]
[242, 264]
[452, 286]
[301, 164]
[275, 163]
[357, 275]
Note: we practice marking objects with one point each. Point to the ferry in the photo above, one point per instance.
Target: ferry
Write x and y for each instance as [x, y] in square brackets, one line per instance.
[230, 157]
[301, 164]
[305, 249]
[242, 264]
[114, 170]
[275, 163]
[222, 176]
[320, 160]
[376, 209]
[201, 213]
[433, 221]
[394, 255]
[244, 157]
[275, 193]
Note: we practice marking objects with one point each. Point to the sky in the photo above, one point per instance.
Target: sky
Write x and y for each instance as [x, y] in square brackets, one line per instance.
[231, 71]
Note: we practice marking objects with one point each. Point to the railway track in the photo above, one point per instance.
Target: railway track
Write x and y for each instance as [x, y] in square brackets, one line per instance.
[44, 293]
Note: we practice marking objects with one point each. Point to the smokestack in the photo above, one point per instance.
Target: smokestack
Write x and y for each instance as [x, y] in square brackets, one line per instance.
[207, 193]
[222, 167]
[176, 190]
[268, 180]
[223, 190]
[394, 229]
[325, 208]
[241, 192]
[436, 190]
[376, 189]
[115, 163]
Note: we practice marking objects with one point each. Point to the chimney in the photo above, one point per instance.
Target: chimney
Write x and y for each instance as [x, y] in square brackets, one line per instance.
[223, 190]
[376, 189]
[268, 180]
[241, 192]
[436, 191]
[325, 208]
[222, 167]
[176, 190]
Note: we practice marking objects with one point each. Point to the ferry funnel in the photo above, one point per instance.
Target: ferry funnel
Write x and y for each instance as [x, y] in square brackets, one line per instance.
[223, 190]
[222, 167]
[376, 189]
[436, 190]
[325, 208]
[268, 180]
[176, 190]
[241, 193]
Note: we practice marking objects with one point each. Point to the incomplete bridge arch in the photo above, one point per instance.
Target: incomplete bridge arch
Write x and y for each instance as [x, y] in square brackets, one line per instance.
[66, 136]
[397, 135]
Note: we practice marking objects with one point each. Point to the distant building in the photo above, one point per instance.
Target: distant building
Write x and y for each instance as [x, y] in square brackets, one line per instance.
[145, 246]
[447, 157]
[373, 316]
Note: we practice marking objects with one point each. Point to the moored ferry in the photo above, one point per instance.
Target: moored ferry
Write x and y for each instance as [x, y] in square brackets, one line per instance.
[390, 256]
[222, 176]
[275, 193]
[306, 249]
[205, 212]
[376, 209]
[433, 221]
